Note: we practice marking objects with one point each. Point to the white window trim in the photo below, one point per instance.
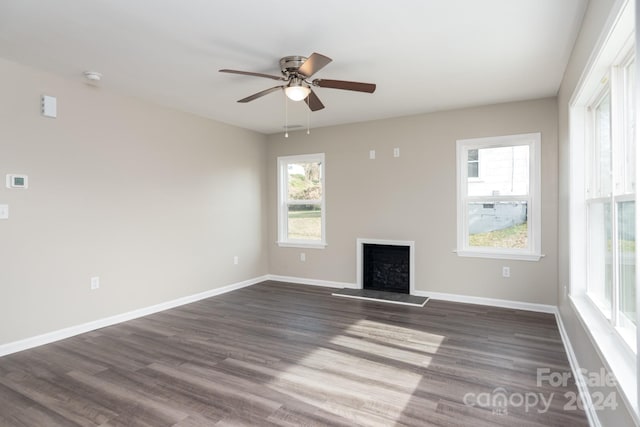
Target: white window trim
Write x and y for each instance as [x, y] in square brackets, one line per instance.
[617, 358]
[612, 348]
[283, 240]
[533, 253]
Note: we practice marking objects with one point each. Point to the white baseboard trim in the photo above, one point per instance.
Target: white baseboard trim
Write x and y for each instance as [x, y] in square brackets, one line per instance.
[61, 334]
[49, 337]
[516, 305]
[494, 302]
[312, 282]
[576, 371]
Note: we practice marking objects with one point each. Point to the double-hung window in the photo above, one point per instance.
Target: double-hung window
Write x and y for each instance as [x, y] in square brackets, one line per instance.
[499, 197]
[610, 196]
[602, 197]
[301, 200]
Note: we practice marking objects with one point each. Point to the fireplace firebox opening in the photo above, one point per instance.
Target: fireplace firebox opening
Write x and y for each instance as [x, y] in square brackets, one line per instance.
[385, 265]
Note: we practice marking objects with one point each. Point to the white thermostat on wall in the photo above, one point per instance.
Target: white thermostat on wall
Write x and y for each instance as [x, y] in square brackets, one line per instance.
[17, 181]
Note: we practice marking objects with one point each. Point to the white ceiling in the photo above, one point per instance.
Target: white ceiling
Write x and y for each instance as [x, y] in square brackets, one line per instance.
[424, 55]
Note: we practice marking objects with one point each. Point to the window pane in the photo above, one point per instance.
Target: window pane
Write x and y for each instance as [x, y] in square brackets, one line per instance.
[627, 257]
[472, 163]
[602, 148]
[304, 222]
[600, 272]
[505, 172]
[498, 225]
[630, 129]
[305, 181]
[472, 170]
[301, 213]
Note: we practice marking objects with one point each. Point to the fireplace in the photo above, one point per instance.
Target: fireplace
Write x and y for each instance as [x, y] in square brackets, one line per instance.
[386, 265]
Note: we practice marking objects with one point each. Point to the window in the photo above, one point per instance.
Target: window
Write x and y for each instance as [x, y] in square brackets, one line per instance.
[610, 196]
[602, 194]
[301, 211]
[498, 197]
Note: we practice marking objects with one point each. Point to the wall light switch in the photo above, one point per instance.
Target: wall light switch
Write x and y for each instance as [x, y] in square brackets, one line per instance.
[95, 283]
[49, 106]
[396, 152]
[4, 211]
[372, 154]
[303, 256]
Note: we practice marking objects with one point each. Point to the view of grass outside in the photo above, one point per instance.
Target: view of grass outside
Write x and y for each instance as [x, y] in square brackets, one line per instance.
[305, 224]
[304, 192]
[627, 260]
[514, 237]
[627, 297]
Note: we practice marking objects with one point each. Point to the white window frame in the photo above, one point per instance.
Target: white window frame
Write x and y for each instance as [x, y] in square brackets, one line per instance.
[618, 352]
[284, 202]
[533, 251]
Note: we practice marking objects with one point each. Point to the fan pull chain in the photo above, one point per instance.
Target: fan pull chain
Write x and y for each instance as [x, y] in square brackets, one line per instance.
[286, 117]
[308, 115]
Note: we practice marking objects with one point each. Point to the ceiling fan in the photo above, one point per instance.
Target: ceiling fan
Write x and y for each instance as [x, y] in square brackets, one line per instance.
[296, 72]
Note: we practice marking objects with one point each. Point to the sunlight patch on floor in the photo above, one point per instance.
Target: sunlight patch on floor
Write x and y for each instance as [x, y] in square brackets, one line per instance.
[411, 339]
[372, 352]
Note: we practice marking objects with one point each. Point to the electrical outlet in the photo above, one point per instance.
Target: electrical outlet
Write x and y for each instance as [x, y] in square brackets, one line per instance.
[235, 260]
[303, 257]
[506, 272]
[95, 283]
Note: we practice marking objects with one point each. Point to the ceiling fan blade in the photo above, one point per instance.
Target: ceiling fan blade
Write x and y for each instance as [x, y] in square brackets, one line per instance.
[313, 64]
[345, 85]
[313, 101]
[260, 94]
[249, 73]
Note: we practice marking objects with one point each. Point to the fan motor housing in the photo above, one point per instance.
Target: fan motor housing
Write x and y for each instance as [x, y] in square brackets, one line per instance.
[290, 64]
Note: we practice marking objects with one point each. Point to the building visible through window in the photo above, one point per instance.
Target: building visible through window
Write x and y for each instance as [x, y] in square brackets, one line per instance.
[473, 166]
[498, 208]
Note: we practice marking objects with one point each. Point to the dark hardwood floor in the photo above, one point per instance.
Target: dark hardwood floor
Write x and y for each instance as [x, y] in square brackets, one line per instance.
[284, 354]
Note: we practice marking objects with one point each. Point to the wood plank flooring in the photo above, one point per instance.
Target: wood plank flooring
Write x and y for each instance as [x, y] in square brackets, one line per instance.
[293, 355]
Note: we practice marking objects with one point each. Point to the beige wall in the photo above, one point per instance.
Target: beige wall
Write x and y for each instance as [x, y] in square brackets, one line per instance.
[413, 197]
[157, 202]
[588, 358]
[154, 201]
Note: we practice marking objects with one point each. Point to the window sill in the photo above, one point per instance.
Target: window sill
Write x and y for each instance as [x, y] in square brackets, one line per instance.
[499, 255]
[618, 358]
[308, 245]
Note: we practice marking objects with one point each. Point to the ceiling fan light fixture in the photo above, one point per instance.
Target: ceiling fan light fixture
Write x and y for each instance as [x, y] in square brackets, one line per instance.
[297, 92]
[296, 73]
